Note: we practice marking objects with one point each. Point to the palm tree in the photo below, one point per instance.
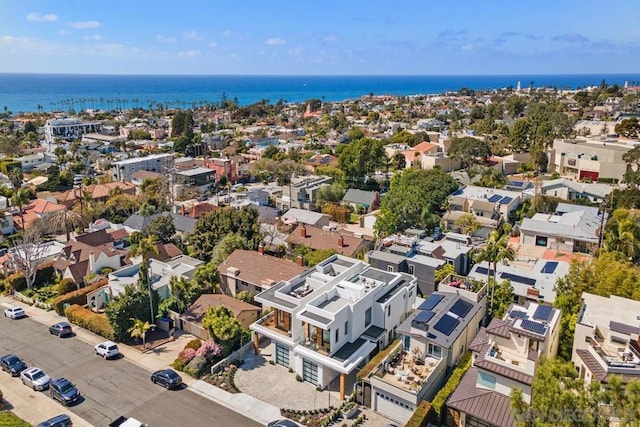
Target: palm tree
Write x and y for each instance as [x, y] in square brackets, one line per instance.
[67, 220]
[144, 246]
[623, 234]
[19, 199]
[495, 250]
[139, 329]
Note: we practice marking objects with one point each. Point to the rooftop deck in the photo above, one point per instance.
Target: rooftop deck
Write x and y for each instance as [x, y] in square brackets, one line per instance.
[407, 371]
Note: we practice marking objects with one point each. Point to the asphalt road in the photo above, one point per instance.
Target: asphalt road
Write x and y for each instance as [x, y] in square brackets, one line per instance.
[110, 388]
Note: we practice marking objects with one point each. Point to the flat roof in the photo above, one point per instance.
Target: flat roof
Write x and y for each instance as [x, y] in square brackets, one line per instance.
[143, 159]
[195, 171]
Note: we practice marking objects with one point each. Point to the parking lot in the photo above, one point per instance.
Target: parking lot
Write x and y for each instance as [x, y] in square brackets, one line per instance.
[109, 388]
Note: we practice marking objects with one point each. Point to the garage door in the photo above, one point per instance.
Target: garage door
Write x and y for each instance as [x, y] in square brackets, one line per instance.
[282, 355]
[309, 371]
[392, 408]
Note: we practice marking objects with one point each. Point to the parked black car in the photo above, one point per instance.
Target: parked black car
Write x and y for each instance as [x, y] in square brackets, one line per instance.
[12, 364]
[61, 329]
[62, 420]
[167, 378]
[63, 391]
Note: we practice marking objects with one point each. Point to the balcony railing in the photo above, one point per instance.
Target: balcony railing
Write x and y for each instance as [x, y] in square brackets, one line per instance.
[311, 344]
[269, 321]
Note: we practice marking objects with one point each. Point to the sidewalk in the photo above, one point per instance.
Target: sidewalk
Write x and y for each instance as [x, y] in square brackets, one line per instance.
[153, 360]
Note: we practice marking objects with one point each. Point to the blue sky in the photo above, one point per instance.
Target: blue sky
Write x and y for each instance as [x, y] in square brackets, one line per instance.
[347, 37]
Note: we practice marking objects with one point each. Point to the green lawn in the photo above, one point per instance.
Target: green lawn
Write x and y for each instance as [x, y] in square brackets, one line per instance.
[9, 419]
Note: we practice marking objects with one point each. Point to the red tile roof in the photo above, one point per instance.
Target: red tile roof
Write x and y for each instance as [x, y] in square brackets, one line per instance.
[317, 238]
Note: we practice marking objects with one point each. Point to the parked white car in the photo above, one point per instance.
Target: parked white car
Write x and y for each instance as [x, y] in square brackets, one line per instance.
[35, 378]
[107, 349]
[15, 312]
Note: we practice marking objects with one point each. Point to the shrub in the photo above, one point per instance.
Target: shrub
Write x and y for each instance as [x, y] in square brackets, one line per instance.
[106, 270]
[209, 350]
[196, 366]
[66, 285]
[420, 415]
[76, 297]
[87, 319]
[194, 344]
[17, 282]
[45, 275]
[178, 364]
[438, 401]
[187, 355]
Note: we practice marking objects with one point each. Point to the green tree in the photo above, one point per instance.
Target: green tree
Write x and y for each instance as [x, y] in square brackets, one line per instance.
[399, 161]
[405, 138]
[139, 330]
[162, 227]
[206, 278]
[503, 298]
[226, 246]
[156, 194]
[360, 158]
[133, 303]
[467, 224]
[330, 193]
[632, 159]
[491, 178]
[469, 150]
[213, 226]
[19, 199]
[245, 296]
[223, 326]
[416, 199]
[67, 221]
[629, 128]
[442, 272]
[622, 234]
[184, 291]
[144, 246]
[495, 250]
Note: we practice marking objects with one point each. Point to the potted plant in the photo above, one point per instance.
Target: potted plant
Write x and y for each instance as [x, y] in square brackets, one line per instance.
[349, 409]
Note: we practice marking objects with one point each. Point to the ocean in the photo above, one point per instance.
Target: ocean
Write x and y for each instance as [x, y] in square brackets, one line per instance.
[62, 92]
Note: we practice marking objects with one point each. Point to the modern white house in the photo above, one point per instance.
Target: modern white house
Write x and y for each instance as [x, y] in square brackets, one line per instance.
[606, 340]
[327, 322]
[160, 163]
[505, 356]
[67, 129]
[432, 340]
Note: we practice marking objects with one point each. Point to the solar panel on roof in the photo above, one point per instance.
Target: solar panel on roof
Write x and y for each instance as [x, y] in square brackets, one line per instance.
[537, 327]
[423, 316]
[446, 324]
[506, 200]
[517, 183]
[520, 279]
[431, 302]
[461, 308]
[517, 314]
[495, 198]
[543, 312]
[550, 267]
[483, 270]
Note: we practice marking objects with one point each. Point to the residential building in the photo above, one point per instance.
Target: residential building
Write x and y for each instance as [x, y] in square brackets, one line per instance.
[254, 272]
[97, 192]
[491, 207]
[441, 160]
[571, 228]
[362, 202]
[183, 224]
[40, 161]
[306, 218]
[505, 356]
[191, 319]
[432, 340]
[201, 178]
[67, 129]
[328, 321]
[37, 209]
[606, 340]
[589, 158]
[343, 242]
[301, 193]
[160, 163]
[138, 177]
[567, 189]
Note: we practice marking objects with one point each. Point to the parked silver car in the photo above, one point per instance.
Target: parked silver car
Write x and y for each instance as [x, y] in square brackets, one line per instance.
[35, 378]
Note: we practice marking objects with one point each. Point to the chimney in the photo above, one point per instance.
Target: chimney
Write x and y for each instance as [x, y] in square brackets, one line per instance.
[183, 210]
[91, 261]
[303, 231]
[261, 249]
[340, 241]
[300, 261]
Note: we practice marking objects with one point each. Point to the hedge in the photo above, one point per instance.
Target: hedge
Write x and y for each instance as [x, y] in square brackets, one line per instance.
[76, 297]
[376, 360]
[17, 282]
[420, 417]
[438, 402]
[66, 286]
[89, 320]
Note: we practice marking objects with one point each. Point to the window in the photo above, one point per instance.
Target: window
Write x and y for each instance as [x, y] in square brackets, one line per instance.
[434, 350]
[407, 342]
[618, 340]
[346, 328]
[390, 268]
[337, 334]
[486, 380]
[388, 311]
[541, 241]
[411, 268]
[367, 317]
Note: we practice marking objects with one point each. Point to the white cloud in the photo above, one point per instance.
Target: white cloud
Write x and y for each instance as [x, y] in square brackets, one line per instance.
[276, 41]
[213, 44]
[165, 39]
[331, 39]
[95, 37]
[225, 33]
[39, 17]
[191, 35]
[64, 32]
[189, 53]
[86, 25]
[235, 56]
[467, 47]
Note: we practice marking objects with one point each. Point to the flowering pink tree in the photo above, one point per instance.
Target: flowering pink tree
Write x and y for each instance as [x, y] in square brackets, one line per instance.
[187, 355]
[209, 349]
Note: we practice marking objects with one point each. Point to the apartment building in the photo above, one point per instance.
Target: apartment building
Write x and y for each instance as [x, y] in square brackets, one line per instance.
[160, 163]
[301, 193]
[328, 321]
[67, 129]
[505, 356]
[606, 340]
